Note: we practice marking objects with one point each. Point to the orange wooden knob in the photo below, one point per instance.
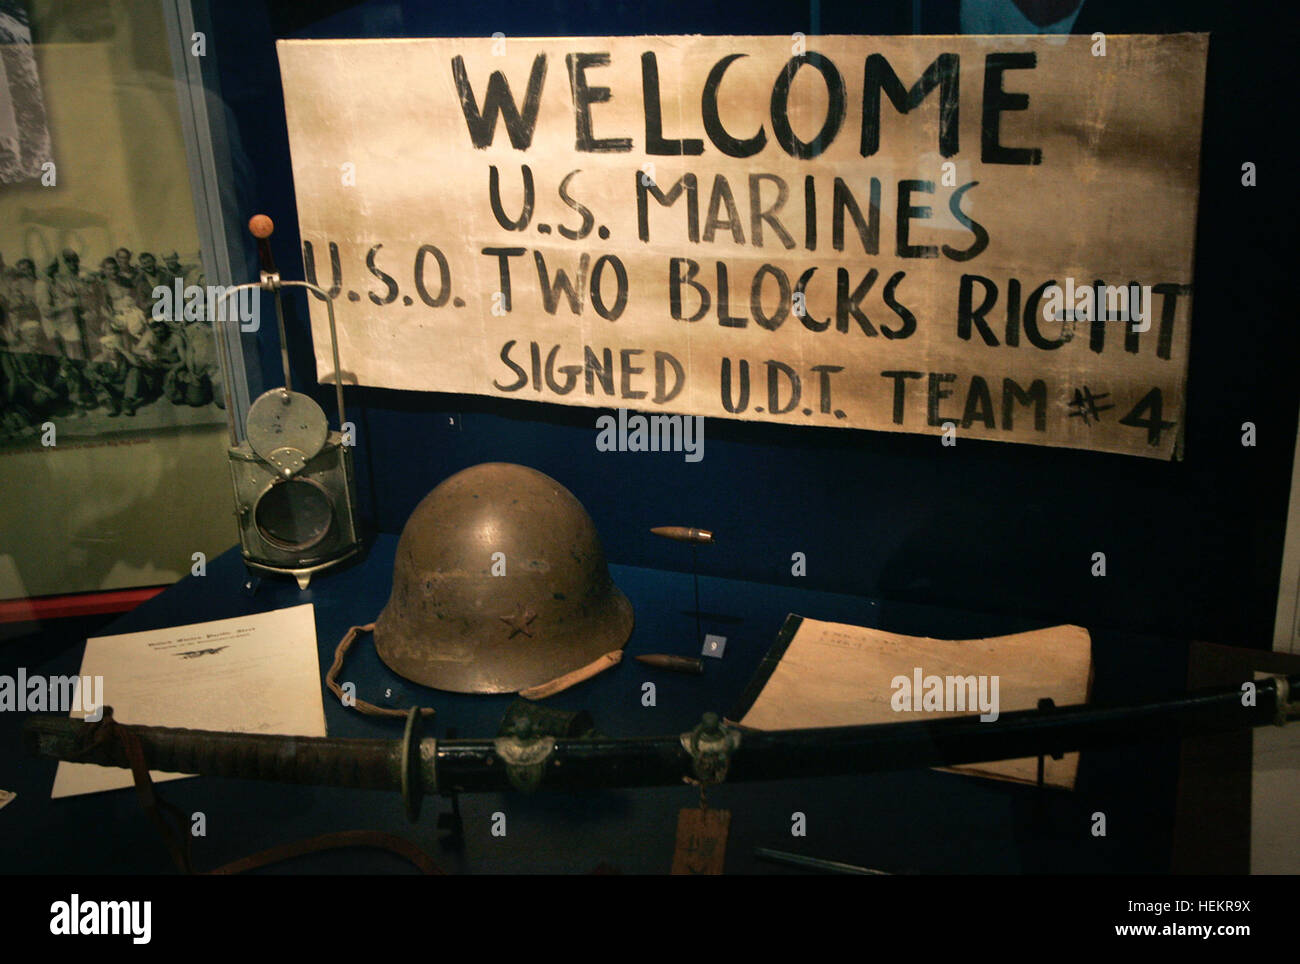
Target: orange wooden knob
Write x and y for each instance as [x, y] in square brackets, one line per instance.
[261, 226]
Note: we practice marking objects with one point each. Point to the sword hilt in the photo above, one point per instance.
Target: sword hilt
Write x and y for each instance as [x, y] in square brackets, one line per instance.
[313, 760]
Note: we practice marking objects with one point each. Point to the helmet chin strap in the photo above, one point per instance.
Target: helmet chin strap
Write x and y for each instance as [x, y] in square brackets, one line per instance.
[541, 691]
[597, 665]
[356, 703]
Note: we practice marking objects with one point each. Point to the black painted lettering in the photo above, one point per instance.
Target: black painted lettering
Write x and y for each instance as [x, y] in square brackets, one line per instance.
[499, 100]
[583, 97]
[879, 77]
[996, 102]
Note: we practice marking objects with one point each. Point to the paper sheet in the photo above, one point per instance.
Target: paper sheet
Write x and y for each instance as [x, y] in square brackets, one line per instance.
[251, 674]
[834, 674]
[1274, 789]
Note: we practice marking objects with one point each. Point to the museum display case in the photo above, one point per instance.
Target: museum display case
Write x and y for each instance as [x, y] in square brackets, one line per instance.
[589, 438]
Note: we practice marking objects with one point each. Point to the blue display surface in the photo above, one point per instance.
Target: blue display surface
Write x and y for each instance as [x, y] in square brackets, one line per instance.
[916, 822]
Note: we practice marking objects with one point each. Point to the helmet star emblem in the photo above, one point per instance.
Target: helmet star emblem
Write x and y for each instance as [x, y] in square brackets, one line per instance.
[519, 621]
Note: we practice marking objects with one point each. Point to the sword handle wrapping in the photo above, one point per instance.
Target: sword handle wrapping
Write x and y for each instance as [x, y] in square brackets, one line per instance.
[321, 761]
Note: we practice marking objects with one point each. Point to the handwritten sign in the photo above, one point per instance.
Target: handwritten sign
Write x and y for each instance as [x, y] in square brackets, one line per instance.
[986, 237]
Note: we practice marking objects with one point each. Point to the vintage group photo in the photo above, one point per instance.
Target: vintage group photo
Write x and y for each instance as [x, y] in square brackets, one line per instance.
[90, 348]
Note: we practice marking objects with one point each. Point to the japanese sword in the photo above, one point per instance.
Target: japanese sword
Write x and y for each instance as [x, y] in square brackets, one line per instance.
[711, 753]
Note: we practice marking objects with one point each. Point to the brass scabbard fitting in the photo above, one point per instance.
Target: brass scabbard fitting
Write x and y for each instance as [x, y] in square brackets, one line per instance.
[710, 746]
[525, 756]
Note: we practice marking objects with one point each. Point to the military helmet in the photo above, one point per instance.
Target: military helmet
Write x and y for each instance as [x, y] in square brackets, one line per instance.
[500, 584]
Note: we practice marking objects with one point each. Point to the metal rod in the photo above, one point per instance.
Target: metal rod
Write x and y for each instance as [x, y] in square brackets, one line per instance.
[236, 427]
[262, 228]
[334, 342]
[223, 361]
[284, 337]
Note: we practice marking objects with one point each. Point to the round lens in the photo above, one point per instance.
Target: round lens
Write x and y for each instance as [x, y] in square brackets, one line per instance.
[294, 515]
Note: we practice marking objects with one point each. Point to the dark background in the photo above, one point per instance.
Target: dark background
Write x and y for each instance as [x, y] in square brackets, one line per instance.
[1193, 548]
